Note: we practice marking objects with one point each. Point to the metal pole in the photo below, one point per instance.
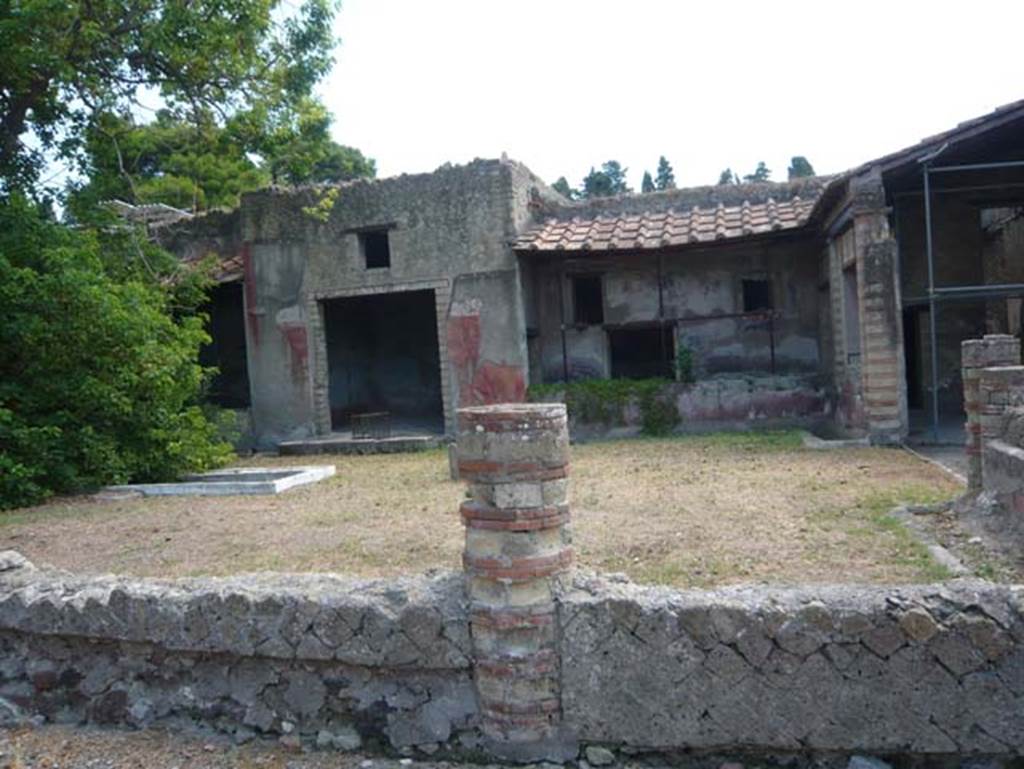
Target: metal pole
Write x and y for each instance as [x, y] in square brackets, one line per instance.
[561, 314]
[661, 318]
[932, 305]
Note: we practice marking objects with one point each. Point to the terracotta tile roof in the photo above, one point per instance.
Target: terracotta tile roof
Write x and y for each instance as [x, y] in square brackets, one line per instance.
[629, 231]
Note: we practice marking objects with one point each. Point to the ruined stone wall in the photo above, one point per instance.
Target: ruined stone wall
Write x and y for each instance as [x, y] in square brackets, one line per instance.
[304, 658]
[725, 403]
[935, 669]
[695, 283]
[449, 233]
[1001, 409]
[917, 670]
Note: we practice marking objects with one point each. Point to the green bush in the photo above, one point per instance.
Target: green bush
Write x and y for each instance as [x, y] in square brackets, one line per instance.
[602, 401]
[99, 379]
[684, 365]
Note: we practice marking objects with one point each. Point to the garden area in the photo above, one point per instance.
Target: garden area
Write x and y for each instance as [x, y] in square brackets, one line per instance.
[692, 511]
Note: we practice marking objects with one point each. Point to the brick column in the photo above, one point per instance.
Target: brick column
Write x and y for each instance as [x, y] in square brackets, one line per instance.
[882, 365]
[515, 458]
[976, 354]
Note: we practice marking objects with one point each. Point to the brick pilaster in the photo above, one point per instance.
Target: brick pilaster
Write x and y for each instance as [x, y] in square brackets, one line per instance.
[515, 458]
[977, 354]
[882, 364]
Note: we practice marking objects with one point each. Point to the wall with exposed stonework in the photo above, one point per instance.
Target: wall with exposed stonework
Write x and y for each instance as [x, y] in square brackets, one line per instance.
[913, 670]
[934, 669]
[298, 657]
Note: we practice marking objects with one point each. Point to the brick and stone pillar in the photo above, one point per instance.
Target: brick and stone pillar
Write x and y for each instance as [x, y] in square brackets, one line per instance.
[977, 354]
[515, 458]
[882, 365]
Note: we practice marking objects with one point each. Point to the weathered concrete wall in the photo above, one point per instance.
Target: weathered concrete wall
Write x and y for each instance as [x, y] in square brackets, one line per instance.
[310, 658]
[695, 283]
[933, 669]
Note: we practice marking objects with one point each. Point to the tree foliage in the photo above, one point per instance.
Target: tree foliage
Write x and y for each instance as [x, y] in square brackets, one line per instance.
[728, 177]
[761, 174]
[98, 347]
[800, 168]
[609, 180]
[665, 178]
[196, 165]
[66, 63]
[562, 187]
[647, 185]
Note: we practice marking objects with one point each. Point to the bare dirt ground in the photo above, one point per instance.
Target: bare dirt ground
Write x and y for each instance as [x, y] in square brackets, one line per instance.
[60, 747]
[692, 511]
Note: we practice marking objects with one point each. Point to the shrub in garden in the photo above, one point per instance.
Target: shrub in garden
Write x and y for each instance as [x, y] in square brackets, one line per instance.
[99, 375]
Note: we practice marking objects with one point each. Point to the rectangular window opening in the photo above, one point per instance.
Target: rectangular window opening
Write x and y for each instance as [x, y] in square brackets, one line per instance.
[587, 300]
[375, 248]
[641, 353]
[757, 295]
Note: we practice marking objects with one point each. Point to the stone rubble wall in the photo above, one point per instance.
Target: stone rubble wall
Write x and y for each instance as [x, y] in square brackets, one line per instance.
[1001, 404]
[930, 669]
[994, 401]
[924, 670]
[992, 351]
[303, 658]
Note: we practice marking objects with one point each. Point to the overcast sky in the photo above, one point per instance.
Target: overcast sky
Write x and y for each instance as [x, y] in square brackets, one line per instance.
[563, 85]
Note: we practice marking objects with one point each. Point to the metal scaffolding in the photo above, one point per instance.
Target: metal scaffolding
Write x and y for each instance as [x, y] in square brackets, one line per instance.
[952, 293]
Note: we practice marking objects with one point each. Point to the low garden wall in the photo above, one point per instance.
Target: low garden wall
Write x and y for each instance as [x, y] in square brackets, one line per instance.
[600, 408]
[311, 658]
[922, 670]
[519, 657]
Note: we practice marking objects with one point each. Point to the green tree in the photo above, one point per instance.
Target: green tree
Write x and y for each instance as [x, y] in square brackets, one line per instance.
[193, 166]
[665, 178]
[296, 146]
[610, 180]
[197, 164]
[761, 174]
[65, 63]
[562, 187]
[728, 177]
[800, 167]
[647, 185]
[98, 375]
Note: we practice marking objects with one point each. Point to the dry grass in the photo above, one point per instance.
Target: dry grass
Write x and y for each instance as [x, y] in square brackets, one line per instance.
[683, 511]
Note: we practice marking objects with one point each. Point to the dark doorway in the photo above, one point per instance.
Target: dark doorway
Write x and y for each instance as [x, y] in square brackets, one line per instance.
[641, 353]
[382, 355]
[226, 350]
[912, 353]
